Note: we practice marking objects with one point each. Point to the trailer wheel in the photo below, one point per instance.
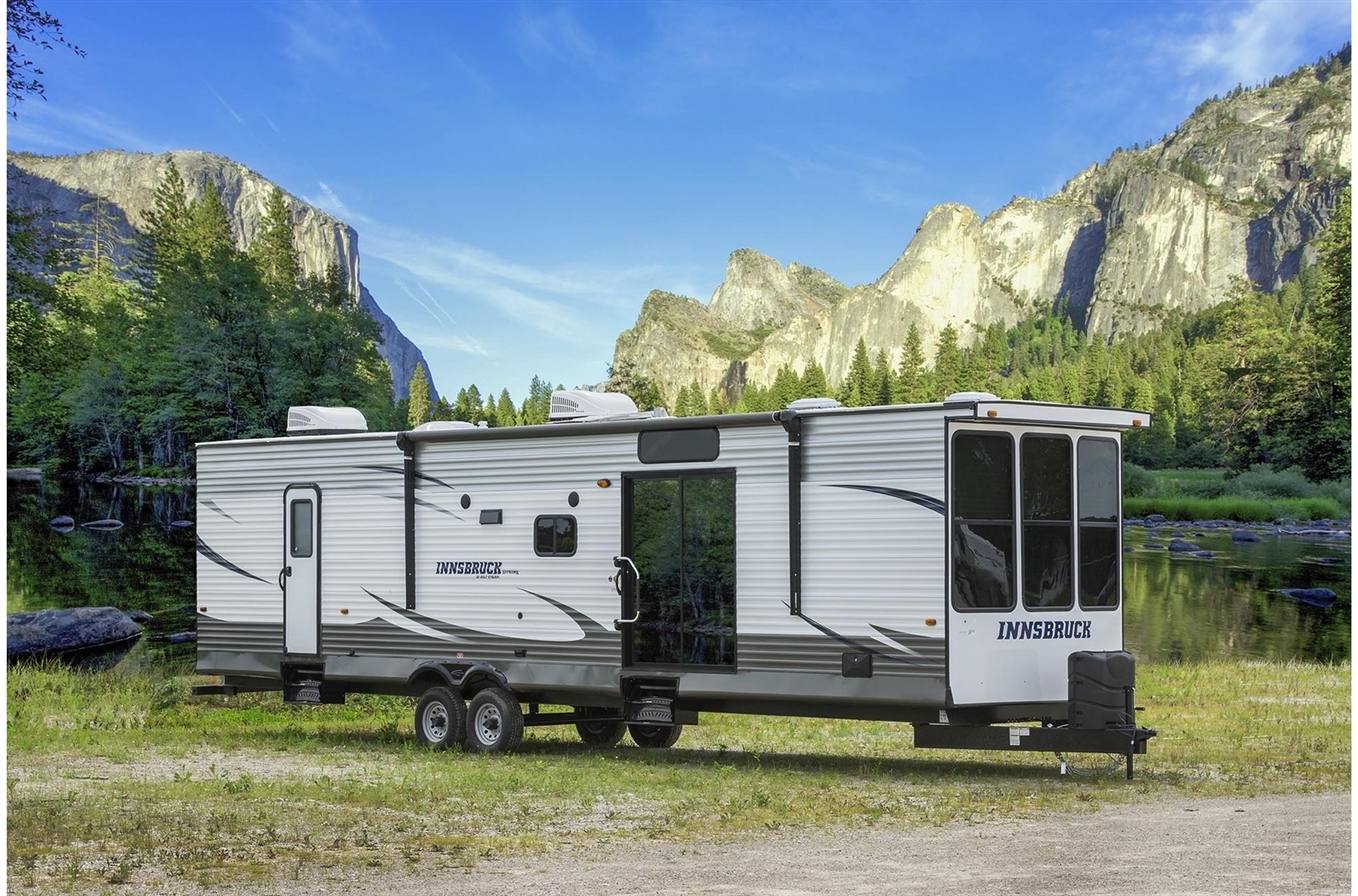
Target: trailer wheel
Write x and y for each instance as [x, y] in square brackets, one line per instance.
[440, 718]
[655, 735]
[603, 733]
[494, 722]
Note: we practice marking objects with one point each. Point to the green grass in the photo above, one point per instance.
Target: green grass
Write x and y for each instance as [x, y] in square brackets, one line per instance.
[1247, 510]
[1257, 495]
[114, 777]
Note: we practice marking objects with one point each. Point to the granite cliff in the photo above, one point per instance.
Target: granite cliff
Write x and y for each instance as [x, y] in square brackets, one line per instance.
[1235, 193]
[59, 189]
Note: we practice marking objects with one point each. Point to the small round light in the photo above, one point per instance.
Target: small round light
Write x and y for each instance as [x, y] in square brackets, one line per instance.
[603, 483]
[344, 611]
[992, 413]
[1136, 422]
[930, 621]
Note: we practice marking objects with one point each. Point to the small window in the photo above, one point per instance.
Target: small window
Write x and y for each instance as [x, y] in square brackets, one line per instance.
[983, 521]
[678, 446]
[1048, 526]
[301, 529]
[1100, 528]
[554, 536]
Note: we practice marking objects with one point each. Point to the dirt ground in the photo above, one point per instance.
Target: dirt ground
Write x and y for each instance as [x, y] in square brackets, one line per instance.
[1270, 845]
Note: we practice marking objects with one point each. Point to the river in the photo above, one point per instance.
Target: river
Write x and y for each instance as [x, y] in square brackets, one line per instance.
[1178, 607]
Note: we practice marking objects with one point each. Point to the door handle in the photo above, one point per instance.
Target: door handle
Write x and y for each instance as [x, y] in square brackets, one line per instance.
[283, 573]
[620, 562]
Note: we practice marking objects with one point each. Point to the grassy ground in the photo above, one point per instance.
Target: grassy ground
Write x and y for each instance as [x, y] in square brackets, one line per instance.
[1257, 495]
[113, 778]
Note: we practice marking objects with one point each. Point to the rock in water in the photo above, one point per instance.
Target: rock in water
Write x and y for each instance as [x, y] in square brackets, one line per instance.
[141, 617]
[1243, 535]
[62, 634]
[62, 523]
[103, 525]
[1312, 597]
[182, 638]
[1179, 546]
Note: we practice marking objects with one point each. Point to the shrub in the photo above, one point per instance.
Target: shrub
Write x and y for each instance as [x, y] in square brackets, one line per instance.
[1262, 480]
[1137, 481]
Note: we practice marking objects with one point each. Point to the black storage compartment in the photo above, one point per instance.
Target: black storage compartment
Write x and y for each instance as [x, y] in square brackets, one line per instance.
[1102, 689]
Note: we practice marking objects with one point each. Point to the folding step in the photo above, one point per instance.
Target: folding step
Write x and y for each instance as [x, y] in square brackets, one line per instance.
[651, 710]
[304, 690]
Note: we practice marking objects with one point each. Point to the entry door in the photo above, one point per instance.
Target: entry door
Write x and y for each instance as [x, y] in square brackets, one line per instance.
[679, 530]
[301, 576]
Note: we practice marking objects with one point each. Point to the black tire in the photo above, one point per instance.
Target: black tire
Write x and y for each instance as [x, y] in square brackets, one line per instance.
[655, 735]
[603, 733]
[494, 722]
[440, 718]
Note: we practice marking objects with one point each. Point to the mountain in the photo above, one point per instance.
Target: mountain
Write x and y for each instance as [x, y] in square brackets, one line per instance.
[120, 186]
[1237, 191]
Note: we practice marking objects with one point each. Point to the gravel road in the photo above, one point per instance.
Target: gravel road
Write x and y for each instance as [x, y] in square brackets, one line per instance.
[1270, 845]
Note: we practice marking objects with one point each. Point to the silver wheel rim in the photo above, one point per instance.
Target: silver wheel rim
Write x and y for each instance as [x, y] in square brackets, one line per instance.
[435, 721]
[488, 724]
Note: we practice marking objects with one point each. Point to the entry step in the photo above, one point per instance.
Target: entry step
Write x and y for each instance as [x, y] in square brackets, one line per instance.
[651, 710]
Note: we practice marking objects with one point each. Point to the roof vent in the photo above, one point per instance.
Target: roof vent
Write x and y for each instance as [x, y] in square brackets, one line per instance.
[578, 405]
[813, 404]
[968, 397]
[309, 420]
[444, 425]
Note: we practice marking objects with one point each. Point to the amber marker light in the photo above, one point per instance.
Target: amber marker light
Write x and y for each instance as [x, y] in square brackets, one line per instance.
[344, 611]
[1136, 423]
[992, 413]
[930, 621]
[603, 483]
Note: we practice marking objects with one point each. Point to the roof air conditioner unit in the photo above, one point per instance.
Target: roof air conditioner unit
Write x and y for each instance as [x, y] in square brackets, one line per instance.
[576, 405]
[813, 404]
[444, 425]
[309, 420]
[967, 397]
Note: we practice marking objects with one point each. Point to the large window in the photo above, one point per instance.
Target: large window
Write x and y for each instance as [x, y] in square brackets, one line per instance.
[983, 521]
[1100, 528]
[1047, 522]
[554, 536]
[301, 529]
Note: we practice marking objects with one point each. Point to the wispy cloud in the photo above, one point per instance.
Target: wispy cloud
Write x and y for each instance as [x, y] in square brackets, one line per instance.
[1252, 42]
[554, 301]
[553, 34]
[75, 129]
[273, 127]
[458, 340]
[331, 34]
[227, 106]
[876, 177]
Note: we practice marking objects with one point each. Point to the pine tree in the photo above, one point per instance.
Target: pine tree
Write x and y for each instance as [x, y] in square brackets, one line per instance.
[882, 381]
[504, 410]
[947, 363]
[814, 384]
[274, 249]
[855, 391]
[910, 385]
[474, 408]
[419, 397]
[787, 388]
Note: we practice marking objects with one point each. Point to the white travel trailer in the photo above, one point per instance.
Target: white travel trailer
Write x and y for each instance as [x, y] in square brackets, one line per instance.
[952, 565]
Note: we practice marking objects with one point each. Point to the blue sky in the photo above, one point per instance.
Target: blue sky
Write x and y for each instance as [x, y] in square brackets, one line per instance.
[521, 175]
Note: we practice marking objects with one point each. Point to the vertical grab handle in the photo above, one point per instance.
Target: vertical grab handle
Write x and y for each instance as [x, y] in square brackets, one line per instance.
[620, 562]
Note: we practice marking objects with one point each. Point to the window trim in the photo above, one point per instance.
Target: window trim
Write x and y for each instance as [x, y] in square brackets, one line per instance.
[575, 526]
[1015, 573]
[1071, 524]
[1115, 525]
[292, 528]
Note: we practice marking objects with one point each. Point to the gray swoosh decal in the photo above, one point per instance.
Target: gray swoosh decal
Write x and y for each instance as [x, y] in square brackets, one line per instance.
[423, 503]
[225, 563]
[856, 645]
[212, 505]
[925, 501]
[400, 472]
[587, 625]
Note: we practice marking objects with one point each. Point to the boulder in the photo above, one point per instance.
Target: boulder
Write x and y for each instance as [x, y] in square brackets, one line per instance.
[1179, 546]
[1312, 597]
[1152, 546]
[62, 523]
[1155, 518]
[182, 638]
[1243, 535]
[141, 617]
[60, 634]
[1206, 555]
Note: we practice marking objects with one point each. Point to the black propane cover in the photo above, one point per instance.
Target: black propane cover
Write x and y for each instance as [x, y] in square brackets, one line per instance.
[1102, 684]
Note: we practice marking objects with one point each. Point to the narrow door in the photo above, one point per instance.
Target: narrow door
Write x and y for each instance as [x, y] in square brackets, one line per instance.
[301, 576]
[680, 532]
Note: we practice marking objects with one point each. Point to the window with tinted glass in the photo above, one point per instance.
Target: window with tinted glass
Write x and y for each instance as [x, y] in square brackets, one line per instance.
[1100, 529]
[554, 536]
[301, 529]
[983, 521]
[1048, 525]
[678, 446]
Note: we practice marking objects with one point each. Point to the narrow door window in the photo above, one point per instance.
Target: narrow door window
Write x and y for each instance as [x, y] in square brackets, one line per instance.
[301, 529]
[1048, 527]
[1100, 529]
[983, 521]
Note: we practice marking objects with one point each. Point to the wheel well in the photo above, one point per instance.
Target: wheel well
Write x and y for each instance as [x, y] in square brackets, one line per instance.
[427, 678]
[478, 679]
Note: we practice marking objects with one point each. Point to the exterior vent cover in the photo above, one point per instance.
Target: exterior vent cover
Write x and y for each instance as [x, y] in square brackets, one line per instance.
[309, 420]
[573, 405]
[968, 397]
[444, 425]
[813, 404]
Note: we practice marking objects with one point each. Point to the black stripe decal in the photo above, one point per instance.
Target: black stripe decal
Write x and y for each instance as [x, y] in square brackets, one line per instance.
[225, 563]
[587, 625]
[212, 505]
[924, 501]
[400, 472]
[423, 503]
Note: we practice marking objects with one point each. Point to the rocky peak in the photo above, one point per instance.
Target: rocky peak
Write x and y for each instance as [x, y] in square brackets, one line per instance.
[758, 292]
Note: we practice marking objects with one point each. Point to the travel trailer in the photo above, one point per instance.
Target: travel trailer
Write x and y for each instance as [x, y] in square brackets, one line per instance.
[953, 565]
